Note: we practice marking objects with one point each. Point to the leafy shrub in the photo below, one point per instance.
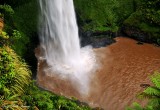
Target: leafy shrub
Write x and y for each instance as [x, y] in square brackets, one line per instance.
[26, 18]
[146, 18]
[44, 100]
[18, 39]
[102, 15]
[6, 9]
[151, 10]
[25, 21]
[14, 73]
[12, 103]
[18, 42]
[7, 14]
[3, 38]
[137, 106]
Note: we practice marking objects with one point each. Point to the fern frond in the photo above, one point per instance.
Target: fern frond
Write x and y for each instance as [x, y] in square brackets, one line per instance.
[19, 74]
[156, 79]
[13, 97]
[149, 107]
[154, 102]
[137, 106]
[152, 91]
[145, 96]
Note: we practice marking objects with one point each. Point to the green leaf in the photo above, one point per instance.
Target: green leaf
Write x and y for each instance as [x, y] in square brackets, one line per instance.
[156, 79]
[152, 91]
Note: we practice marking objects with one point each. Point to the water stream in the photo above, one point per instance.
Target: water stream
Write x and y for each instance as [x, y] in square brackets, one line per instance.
[60, 45]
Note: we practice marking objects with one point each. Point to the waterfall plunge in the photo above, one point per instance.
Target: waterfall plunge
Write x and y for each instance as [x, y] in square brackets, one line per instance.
[59, 41]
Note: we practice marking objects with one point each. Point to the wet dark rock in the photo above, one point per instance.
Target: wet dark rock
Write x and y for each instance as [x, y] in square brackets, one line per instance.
[140, 43]
[96, 39]
[136, 34]
[156, 45]
[81, 103]
[144, 85]
[101, 42]
[97, 33]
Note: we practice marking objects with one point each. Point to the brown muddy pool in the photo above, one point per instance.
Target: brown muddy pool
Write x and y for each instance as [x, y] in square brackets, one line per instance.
[124, 66]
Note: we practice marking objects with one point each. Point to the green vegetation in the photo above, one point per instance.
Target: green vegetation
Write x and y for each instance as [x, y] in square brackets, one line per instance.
[103, 15]
[14, 73]
[35, 98]
[152, 93]
[25, 21]
[6, 9]
[7, 13]
[22, 19]
[47, 101]
[137, 106]
[111, 15]
[146, 18]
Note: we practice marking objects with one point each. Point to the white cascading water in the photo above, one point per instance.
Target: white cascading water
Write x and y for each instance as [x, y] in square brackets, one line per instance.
[59, 40]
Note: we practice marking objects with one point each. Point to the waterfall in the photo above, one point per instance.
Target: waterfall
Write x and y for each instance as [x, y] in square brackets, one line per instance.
[59, 41]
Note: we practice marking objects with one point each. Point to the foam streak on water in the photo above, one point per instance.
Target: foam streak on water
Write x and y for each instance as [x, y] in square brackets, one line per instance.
[59, 42]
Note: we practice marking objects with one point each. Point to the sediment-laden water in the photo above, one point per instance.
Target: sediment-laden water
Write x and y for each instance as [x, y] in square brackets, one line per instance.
[124, 66]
